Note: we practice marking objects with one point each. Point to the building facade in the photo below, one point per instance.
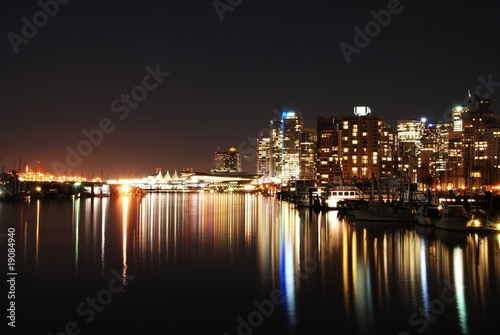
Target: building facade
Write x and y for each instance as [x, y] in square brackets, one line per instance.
[285, 136]
[328, 151]
[361, 138]
[308, 140]
[263, 157]
[227, 161]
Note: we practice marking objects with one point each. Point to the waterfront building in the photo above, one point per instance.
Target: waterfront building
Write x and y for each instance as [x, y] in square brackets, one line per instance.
[285, 135]
[328, 151]
[263, 157]
[387, 151]
[227, 161]
[275, 148]
[427, 174]
[308, 139]
[290, 158]
[353, 148]
[409, 135]
[480, 149]
[360, 142]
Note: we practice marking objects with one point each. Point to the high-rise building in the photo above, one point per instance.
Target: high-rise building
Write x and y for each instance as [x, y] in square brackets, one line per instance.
[263, 155]
[352, 148]
[387, 155]
[290, 158]
[328, 151]
[308, 141]
[464, 152]
[227, 161]
[442, 135]
[411, 130]
[410, 133]
[479, 128]
[456, 114]
[428, 155]
[275, 148]
[285, 146]
[361, 137]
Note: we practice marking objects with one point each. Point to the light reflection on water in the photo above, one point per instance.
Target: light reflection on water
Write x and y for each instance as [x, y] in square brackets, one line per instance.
[366, 277]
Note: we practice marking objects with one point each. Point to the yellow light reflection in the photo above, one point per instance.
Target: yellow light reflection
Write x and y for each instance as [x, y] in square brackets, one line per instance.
[386, 266]
[345, 270]
[125, 206]
[423, 276]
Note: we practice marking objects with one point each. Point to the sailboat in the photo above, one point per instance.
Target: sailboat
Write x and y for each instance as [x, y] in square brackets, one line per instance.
[427, 214]
[454, 217]
[385, 212]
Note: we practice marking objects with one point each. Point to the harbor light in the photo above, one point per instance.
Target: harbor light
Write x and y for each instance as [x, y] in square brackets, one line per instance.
[125, 189]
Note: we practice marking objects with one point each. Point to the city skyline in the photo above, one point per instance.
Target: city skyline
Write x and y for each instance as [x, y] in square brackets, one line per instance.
[164, 85]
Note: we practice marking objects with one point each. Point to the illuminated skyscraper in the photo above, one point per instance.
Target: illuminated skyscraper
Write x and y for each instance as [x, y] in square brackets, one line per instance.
[307, 154]
[290, 159]
[328, 151]
[227, 161]
[361, 138]
[285, 146]
[456, 113]
[275, 148]
[263, 155]
[410, 133]
[387, 156]
[352, 148]
[479, 153]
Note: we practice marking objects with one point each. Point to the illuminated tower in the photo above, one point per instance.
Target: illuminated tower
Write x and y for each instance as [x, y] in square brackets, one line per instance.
[290, 150]
[275, 148]
[479, 127]
[361, 138]
[328, 151]
[308, 141]
[409, 137]
[285, 146]
[227, 161]
[263, 158]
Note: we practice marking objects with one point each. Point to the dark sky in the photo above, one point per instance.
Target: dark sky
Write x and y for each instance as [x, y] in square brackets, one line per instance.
[225, 77]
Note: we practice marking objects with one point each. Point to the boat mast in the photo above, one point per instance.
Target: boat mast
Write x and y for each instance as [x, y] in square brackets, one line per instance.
[371, 188]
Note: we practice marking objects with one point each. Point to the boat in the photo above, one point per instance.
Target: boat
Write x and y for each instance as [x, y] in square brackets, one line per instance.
[385, 212]
[337, 195]
[312, 195]
[346, 207]
[455, 217]
[427, 214]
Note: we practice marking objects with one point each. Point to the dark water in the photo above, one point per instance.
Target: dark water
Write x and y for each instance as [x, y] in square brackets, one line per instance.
[240, 264]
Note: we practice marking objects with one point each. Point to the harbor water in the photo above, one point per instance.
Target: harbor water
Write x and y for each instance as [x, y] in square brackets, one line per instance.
[224, 263]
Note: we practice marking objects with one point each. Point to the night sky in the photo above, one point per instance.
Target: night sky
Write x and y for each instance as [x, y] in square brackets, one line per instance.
[225, 77]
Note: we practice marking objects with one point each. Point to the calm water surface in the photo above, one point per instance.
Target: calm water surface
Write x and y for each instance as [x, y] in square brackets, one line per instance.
[202, 263]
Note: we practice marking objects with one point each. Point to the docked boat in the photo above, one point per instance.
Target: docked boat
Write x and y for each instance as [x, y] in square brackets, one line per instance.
[455, 217]
[427, 214]
[385, 212]
[313, 195]
[347, 207]
[338, 195]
